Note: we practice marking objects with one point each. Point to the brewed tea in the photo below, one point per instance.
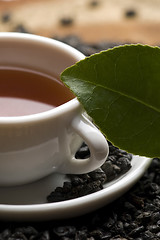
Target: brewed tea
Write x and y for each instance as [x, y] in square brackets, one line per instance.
[25, 92]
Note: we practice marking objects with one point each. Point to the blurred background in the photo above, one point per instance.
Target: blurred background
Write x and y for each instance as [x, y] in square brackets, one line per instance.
[91, 21]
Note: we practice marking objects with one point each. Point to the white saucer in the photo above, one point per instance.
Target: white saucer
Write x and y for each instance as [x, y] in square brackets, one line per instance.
[28, 202]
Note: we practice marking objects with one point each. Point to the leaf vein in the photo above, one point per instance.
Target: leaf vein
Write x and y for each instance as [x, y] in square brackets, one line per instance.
[125, 95]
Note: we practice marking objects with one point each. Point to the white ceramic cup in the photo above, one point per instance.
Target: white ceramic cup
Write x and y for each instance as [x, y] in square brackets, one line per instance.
[34, 146]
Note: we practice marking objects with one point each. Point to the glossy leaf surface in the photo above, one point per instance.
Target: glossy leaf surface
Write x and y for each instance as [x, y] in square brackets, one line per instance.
[120, 89]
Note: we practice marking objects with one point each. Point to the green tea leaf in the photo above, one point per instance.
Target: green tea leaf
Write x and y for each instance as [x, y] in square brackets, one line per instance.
[120, 89]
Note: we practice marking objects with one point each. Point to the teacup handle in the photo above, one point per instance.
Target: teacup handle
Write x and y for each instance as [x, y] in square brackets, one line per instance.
[96, 142]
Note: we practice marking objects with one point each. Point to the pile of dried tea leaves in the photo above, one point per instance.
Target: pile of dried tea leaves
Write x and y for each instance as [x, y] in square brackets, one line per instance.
[117, 163]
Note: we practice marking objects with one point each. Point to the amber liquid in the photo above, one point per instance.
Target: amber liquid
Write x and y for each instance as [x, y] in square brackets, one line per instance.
[26, 92]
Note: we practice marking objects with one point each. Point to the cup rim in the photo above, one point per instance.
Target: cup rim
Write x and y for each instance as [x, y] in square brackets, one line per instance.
[71, 104]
